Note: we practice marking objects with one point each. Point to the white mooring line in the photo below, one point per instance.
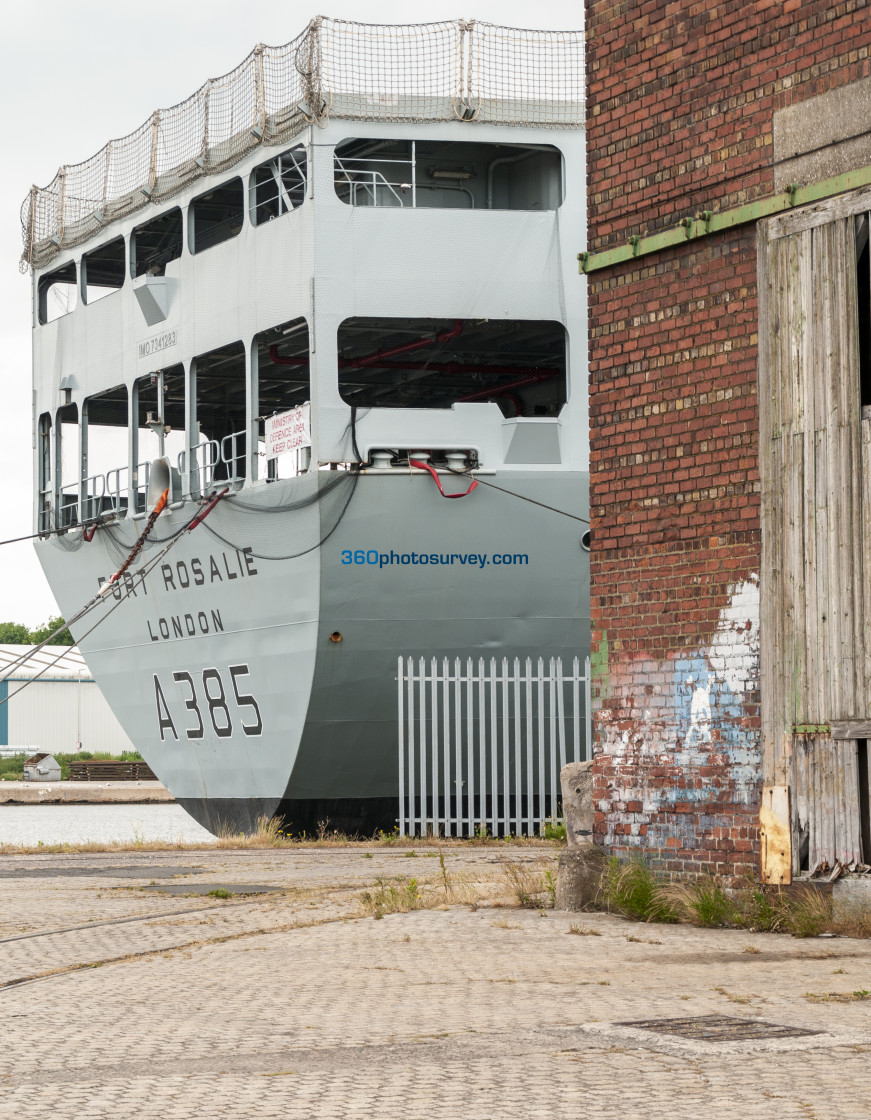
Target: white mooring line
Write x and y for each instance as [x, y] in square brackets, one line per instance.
[481, 745]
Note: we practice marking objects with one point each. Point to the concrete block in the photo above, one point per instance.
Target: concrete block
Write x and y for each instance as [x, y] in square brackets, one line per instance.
[576, 781]
[579, 877]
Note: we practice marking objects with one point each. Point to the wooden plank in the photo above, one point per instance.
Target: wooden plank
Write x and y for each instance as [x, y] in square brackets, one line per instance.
[818, 213]
[775, 835]
[820, 634]
[865, 686]
[811, 678]
[848, 531]
[770, 328]
[851, 728]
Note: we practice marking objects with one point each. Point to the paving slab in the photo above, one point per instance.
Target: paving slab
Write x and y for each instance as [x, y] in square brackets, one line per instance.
[302, 1003]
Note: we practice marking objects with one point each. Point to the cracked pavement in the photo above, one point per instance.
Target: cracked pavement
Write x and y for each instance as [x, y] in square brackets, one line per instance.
[298, 1003]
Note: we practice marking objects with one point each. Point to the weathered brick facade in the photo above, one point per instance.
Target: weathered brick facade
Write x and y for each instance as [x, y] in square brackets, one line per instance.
[680, 104]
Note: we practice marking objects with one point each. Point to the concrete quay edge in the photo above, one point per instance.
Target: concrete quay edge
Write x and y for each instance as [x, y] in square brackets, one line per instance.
[83, 793]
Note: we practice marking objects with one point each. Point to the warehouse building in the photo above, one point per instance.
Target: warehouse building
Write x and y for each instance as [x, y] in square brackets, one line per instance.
[729, 187]
[53, 705]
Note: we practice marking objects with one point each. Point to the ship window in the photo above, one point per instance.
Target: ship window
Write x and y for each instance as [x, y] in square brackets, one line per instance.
[44, 498]
[215, 216]
[448, 174]
[278, 186]
[67, 466]
[220, 451]
[57, 293]
[104, 453]
[435, 363]
[282, 356]
[155, 243]
[103, 270]
[159, 411]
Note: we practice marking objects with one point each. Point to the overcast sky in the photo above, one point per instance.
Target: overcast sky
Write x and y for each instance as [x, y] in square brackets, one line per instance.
[74, 75]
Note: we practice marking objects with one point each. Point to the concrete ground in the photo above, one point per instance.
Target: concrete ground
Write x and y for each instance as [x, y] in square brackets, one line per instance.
[118, 999]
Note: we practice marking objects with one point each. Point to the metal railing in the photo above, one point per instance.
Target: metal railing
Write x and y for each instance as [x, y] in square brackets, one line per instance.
[361, 180]
[104, 493]
[481, 745]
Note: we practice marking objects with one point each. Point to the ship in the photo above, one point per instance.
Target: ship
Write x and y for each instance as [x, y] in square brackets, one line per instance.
[310, 398]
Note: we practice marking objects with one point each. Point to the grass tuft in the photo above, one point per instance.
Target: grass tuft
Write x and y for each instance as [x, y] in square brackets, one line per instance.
[630, 888]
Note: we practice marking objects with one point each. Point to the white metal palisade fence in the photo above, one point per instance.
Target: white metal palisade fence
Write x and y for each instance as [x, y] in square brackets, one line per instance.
[481, 745]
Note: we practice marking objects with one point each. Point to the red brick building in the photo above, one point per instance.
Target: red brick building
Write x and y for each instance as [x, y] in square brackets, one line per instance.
[726, 142]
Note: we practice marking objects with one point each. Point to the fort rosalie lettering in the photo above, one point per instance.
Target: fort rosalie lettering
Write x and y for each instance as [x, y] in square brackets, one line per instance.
[181, 575]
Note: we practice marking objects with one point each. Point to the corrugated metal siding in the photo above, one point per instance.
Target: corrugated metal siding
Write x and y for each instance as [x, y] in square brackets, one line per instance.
[815, 452]
[54, 715]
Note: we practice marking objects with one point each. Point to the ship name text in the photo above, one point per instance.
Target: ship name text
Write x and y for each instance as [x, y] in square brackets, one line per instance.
[196, 572]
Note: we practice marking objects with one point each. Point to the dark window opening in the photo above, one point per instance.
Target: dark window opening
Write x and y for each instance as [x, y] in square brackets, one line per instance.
[216, 216]
[448, 174]
[864, 800]
[44, 498]
[863, 291]
[159, 411]
[103, 270]
[156, 243]
[104, 453]
[282, 356]
[67, 466]
[435, 363]
[56, 293]
[220, 451]
[278, 186]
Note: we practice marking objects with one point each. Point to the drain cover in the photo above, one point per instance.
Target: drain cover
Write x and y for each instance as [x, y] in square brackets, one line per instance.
[718, 1028]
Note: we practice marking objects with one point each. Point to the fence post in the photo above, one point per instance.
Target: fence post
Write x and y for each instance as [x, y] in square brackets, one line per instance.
[588, 701]
[401, 698]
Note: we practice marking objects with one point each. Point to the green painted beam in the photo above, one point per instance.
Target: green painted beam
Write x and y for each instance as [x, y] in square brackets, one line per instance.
[708, 222]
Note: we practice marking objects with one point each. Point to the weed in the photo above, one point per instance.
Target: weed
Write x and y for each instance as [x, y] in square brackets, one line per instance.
[550, 886]
[553, 828]
[220, 892]
[750, 949]
[411, 855]
[368, 855]
[838, 997]
[835, 971]
[631, 888]
[585, 931]
[446, 882]
[704, 903]
[387, 898]
[526, 886]
[732, 996]
[636, 939]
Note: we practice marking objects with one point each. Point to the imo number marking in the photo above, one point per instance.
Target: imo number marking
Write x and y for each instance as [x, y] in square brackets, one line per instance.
[211, 694]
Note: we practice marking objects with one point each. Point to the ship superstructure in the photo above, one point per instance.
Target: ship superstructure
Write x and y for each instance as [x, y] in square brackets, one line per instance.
[335, 284]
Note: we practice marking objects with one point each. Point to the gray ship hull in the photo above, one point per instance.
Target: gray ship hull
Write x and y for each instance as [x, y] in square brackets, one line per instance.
[261, 687]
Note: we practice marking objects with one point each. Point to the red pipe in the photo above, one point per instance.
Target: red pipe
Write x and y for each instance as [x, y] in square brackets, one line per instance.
[497, 389]
[474, 367]
[373, 359]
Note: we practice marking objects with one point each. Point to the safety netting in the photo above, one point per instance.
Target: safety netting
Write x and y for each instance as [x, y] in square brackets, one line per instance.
[449, 70]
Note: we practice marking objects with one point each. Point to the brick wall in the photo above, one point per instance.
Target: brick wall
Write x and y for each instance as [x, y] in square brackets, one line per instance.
[680, 105]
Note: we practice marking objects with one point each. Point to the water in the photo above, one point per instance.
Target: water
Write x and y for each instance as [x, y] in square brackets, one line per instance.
[105, 824]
